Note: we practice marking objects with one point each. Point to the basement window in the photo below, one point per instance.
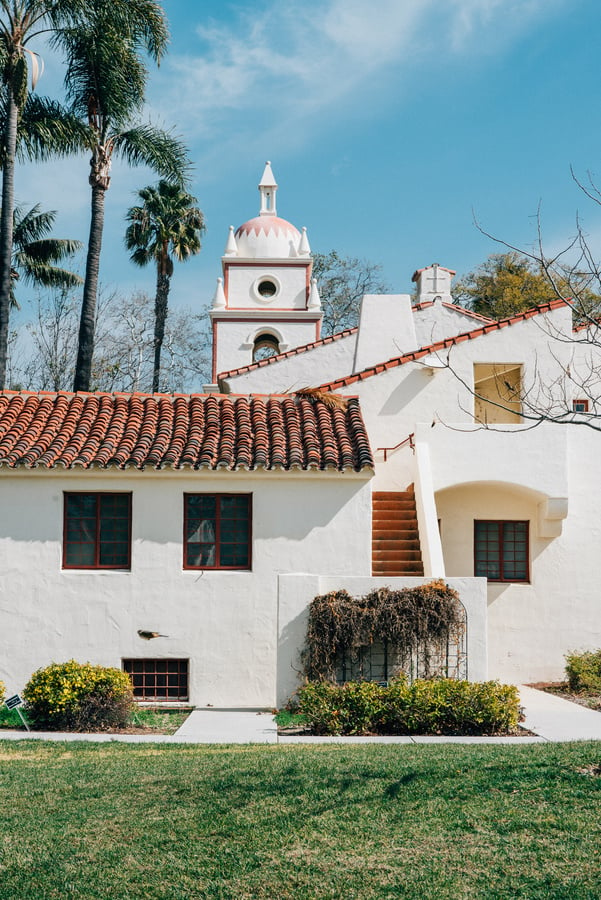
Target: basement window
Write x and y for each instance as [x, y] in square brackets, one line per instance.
[158, 680]
[497, 393]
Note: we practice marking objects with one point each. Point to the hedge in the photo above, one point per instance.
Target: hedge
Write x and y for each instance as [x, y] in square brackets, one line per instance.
[584, 671]
[436, 706]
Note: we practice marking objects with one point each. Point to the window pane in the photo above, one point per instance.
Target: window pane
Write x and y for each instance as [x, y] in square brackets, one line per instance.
[217, 530]
[97, 530]
[234, 555]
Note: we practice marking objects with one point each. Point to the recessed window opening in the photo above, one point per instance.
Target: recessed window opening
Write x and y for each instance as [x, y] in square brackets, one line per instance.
[498, 393]
[580, 406]
[265, 345]
[159, 680]
[501, 550]
[217, 531]
[267, 288]
[97, 531]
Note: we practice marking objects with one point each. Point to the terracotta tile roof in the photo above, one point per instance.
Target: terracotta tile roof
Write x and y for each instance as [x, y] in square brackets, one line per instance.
[460, 309]
[44, 430]
[293, 352]
[418, 272]
[444, 344]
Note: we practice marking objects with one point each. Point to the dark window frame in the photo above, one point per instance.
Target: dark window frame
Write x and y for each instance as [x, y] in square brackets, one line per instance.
[97, 565]
[217, 566]
[148, 673]
[502, 579]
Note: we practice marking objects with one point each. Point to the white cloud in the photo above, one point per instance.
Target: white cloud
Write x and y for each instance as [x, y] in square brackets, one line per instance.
[277, 74]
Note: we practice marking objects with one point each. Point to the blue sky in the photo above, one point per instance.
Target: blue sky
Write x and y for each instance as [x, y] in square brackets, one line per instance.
[389, 126]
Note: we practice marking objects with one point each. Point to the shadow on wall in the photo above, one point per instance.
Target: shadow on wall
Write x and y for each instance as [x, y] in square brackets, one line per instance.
[407, 390]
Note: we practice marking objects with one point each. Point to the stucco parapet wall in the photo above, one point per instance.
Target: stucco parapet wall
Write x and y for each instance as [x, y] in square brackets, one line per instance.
[533, 458]
[297, 590]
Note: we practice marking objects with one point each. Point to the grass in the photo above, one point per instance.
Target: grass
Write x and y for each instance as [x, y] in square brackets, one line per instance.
[375, 822]
[151, 718]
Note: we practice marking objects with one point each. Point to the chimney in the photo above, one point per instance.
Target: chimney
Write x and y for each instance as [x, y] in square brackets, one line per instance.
[432, 282]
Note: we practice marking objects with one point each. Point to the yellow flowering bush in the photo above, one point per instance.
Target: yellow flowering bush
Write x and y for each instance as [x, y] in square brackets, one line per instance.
[2, 692]
[76, 696]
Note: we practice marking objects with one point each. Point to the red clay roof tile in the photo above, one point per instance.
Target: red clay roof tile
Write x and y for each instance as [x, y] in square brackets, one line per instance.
[44, 430]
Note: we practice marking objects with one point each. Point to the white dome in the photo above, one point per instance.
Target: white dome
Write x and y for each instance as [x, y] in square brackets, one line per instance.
[267, 237]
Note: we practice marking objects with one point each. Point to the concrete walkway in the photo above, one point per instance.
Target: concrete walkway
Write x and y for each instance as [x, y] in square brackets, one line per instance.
[549, 717]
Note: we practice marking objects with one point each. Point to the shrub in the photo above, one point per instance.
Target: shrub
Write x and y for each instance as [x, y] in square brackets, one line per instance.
[584, 670]
[2, 692]
[76, 696]
[437, 706]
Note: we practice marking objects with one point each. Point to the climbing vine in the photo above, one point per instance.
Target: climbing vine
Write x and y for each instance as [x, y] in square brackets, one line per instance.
[411, 620]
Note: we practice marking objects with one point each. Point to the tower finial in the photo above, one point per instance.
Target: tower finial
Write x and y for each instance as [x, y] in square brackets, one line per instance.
[267, 188]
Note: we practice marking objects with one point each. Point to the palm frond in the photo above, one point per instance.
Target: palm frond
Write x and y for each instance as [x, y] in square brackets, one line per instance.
[154, 147]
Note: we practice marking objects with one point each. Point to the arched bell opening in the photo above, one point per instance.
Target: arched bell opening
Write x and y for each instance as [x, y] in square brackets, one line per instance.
[265, 345]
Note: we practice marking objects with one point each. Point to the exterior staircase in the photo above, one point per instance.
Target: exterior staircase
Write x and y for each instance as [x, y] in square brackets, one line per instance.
[395, 537]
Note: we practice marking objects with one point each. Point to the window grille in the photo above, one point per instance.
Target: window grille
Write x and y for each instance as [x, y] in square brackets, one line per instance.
[159, 680]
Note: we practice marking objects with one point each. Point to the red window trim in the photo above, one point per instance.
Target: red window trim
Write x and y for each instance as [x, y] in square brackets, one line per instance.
[501, 579]
[218, 496]
[581, 400]
[97, 564]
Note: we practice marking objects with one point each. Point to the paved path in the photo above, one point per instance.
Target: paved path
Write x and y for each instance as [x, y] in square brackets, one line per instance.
[549, 717]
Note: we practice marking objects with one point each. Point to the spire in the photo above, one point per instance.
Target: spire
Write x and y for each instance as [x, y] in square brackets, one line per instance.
[231, 247]
[314, 298]
[304, 248]
[267, 189]
[219, 298]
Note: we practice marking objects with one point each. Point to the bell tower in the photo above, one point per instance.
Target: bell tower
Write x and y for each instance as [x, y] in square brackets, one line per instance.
[265, 301]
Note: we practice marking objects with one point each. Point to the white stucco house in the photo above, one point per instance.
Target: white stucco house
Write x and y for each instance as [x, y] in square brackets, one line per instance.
[212, 520]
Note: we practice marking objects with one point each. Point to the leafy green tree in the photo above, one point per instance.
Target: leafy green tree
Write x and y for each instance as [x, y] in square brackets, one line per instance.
[342, 282]
[167, 226]
[20, 22]
[503, 285]
[35, 252]
[106, 82]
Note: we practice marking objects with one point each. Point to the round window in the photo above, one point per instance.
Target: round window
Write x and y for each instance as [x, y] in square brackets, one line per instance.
[267, 288]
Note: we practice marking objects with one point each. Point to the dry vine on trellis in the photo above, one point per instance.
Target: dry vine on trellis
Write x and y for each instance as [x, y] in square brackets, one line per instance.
[412, 620]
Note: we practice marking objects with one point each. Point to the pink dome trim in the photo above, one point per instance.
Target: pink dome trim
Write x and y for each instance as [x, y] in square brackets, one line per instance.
[268, 225]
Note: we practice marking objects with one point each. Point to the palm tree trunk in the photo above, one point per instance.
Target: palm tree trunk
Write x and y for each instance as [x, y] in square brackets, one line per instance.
[6, 228]
[99, 181]
[160, 317]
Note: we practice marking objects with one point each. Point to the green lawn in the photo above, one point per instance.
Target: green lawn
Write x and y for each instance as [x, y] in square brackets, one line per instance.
[276, 822]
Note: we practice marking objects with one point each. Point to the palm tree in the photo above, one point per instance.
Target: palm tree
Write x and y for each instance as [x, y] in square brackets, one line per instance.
[168, 225]
[35, 253]
[20, 22]
[106, 81]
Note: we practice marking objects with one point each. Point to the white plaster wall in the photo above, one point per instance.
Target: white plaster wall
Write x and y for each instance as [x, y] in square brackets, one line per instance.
[436, 322]
[292, 280]
[313, 367]
[386, 329]
[224, 622]
[296, 593]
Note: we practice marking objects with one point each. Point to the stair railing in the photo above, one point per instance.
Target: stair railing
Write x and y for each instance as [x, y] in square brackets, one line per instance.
[408, 440]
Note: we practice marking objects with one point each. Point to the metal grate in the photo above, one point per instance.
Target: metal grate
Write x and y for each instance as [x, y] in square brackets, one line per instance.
[381, 662]
[158, 679]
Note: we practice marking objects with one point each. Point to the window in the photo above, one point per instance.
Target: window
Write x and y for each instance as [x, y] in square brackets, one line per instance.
[97, 531]
[580, 406]
[498, 390]
[501, 550]
[158, 679]
[265, 345]
[217, 531]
